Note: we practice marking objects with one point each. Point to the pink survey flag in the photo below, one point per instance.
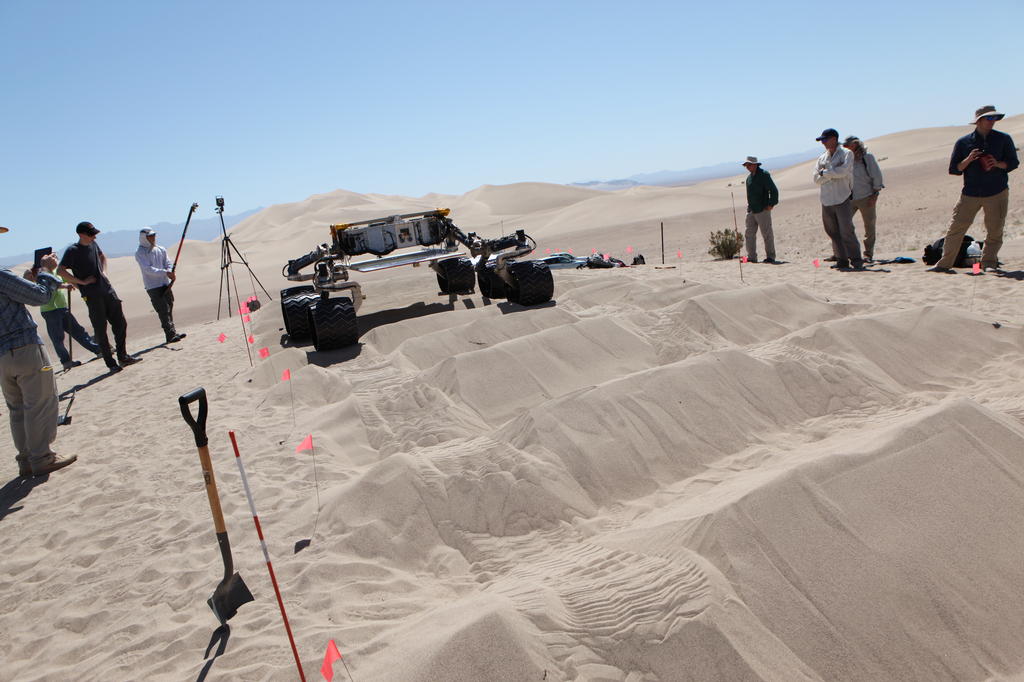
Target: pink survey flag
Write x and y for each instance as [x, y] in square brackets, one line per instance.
[246, 318]
[251, 339]
[629, 249]
[976, 268]
[243, 309]
[743, 259]
[606, 256]
[816, 262]
[679, 253]
[570, 251]
[264, 352]
[330, 656]
[548, 251]
[286, 375]
[223, 337]
[306, 444]
[593, 251]
[250, 299]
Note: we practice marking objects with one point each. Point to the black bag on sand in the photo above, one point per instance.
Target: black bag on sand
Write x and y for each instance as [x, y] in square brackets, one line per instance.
[933, 252]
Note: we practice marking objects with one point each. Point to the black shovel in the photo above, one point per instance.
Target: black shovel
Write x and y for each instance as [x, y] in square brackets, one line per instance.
[232, 591]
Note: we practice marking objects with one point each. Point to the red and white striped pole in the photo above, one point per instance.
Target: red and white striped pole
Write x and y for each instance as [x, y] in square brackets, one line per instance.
[266, 556]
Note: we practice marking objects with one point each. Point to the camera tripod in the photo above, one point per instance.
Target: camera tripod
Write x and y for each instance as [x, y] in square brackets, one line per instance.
[227, 278]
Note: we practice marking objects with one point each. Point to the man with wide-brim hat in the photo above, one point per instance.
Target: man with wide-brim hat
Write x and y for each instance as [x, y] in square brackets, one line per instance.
[867, 183]
[26, 375]
[985, 157]
[762, 197]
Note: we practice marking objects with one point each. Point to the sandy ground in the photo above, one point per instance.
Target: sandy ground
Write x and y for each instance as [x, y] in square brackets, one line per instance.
[689, 472]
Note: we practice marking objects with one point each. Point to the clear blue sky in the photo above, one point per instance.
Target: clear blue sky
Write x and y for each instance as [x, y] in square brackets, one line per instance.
[124, 113]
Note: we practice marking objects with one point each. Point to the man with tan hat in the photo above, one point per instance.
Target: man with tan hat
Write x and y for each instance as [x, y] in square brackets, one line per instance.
[867, 183]
[762, 197]
[985, 158]
[26, 375]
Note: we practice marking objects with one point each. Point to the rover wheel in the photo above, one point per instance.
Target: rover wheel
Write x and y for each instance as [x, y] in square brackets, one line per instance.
[490, 284]
[294, 302]
[333, 323]
[532, 283]
[456, 276]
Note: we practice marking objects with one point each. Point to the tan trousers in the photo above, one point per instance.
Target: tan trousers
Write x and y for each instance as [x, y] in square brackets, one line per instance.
[866, 206]
[30, 390]
[966, 209]
[762, 221]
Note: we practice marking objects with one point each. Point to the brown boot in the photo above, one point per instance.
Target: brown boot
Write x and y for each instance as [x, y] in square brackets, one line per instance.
[24, 469]
[51, 465]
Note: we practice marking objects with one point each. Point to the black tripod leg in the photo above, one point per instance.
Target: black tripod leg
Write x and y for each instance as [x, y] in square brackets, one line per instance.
[251, 273]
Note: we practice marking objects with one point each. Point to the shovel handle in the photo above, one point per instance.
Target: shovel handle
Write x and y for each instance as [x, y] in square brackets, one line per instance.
[198, 425]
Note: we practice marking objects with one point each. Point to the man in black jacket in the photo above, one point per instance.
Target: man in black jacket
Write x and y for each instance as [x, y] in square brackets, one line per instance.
[985, 158]
[84, 265]
[762, 196]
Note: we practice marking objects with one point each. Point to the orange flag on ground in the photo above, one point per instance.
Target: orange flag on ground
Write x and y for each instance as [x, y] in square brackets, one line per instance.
[330, 656]
[264, 352]
[306, 444]
[286, 375]
[223, 337]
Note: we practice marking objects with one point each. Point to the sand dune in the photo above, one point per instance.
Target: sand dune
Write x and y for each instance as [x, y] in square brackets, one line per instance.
[703, 472]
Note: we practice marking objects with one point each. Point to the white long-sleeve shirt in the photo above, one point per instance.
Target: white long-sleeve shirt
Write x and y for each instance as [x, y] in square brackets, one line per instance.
[834, 174]
[155, 265]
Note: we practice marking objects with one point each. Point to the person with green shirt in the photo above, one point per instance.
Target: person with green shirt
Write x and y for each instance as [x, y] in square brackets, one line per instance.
[762, 197]
[59, 320]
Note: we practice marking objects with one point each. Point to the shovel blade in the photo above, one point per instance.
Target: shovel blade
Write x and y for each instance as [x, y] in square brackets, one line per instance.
[228, 596]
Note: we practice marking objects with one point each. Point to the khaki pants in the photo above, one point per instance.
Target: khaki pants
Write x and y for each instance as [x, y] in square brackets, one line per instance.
[964, 212]
[31, 394]
[762, 221]
[866, 206]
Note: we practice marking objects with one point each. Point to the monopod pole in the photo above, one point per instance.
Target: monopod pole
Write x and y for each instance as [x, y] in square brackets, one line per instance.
[181, 243]
[736, 229]
[663, 243]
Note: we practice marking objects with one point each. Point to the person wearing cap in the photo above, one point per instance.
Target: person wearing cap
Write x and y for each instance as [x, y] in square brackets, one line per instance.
[157, 276]
[59, 321]
[762, 197]
[833, 173]
[85, 265]
[985, 158]
[26, 376]
[867, 183]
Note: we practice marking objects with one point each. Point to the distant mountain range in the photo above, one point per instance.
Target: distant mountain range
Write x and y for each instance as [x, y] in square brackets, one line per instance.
[124, 242]
[669, 178]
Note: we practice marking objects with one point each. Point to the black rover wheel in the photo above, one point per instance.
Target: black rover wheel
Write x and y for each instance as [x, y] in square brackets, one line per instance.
[294, 302]
[532, 283]
[456, 276]
[333, 323]
[491, 286]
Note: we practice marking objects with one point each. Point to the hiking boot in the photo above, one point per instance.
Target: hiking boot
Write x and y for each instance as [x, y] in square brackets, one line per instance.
[840, 265]
[114, 369]
[991, 270]
[24, 468]
[937, 268]
[51, 465]
[770, 261]
[751, 260]
[830, 259]
[72, 363]
[174, 338]
[126, 360]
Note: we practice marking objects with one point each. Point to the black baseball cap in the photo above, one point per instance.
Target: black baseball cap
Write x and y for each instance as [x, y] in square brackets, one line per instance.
[826, 133]
[85, 227]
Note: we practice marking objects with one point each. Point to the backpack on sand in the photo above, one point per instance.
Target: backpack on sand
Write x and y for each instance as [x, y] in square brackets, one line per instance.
[933, 252]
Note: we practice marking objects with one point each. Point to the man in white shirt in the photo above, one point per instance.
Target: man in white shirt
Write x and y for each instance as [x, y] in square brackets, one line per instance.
[833, 173]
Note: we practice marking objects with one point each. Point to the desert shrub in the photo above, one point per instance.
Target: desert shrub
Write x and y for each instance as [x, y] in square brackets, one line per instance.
[725, 244]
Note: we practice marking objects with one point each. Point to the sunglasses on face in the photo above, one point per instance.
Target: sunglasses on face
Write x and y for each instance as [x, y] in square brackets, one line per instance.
[991, 118]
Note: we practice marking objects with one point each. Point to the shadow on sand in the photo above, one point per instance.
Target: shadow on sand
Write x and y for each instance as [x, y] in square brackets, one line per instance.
[17, 490]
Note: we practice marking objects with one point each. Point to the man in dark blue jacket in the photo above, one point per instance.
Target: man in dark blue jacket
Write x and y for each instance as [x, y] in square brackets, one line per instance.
[762, 197]
[985, 158]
